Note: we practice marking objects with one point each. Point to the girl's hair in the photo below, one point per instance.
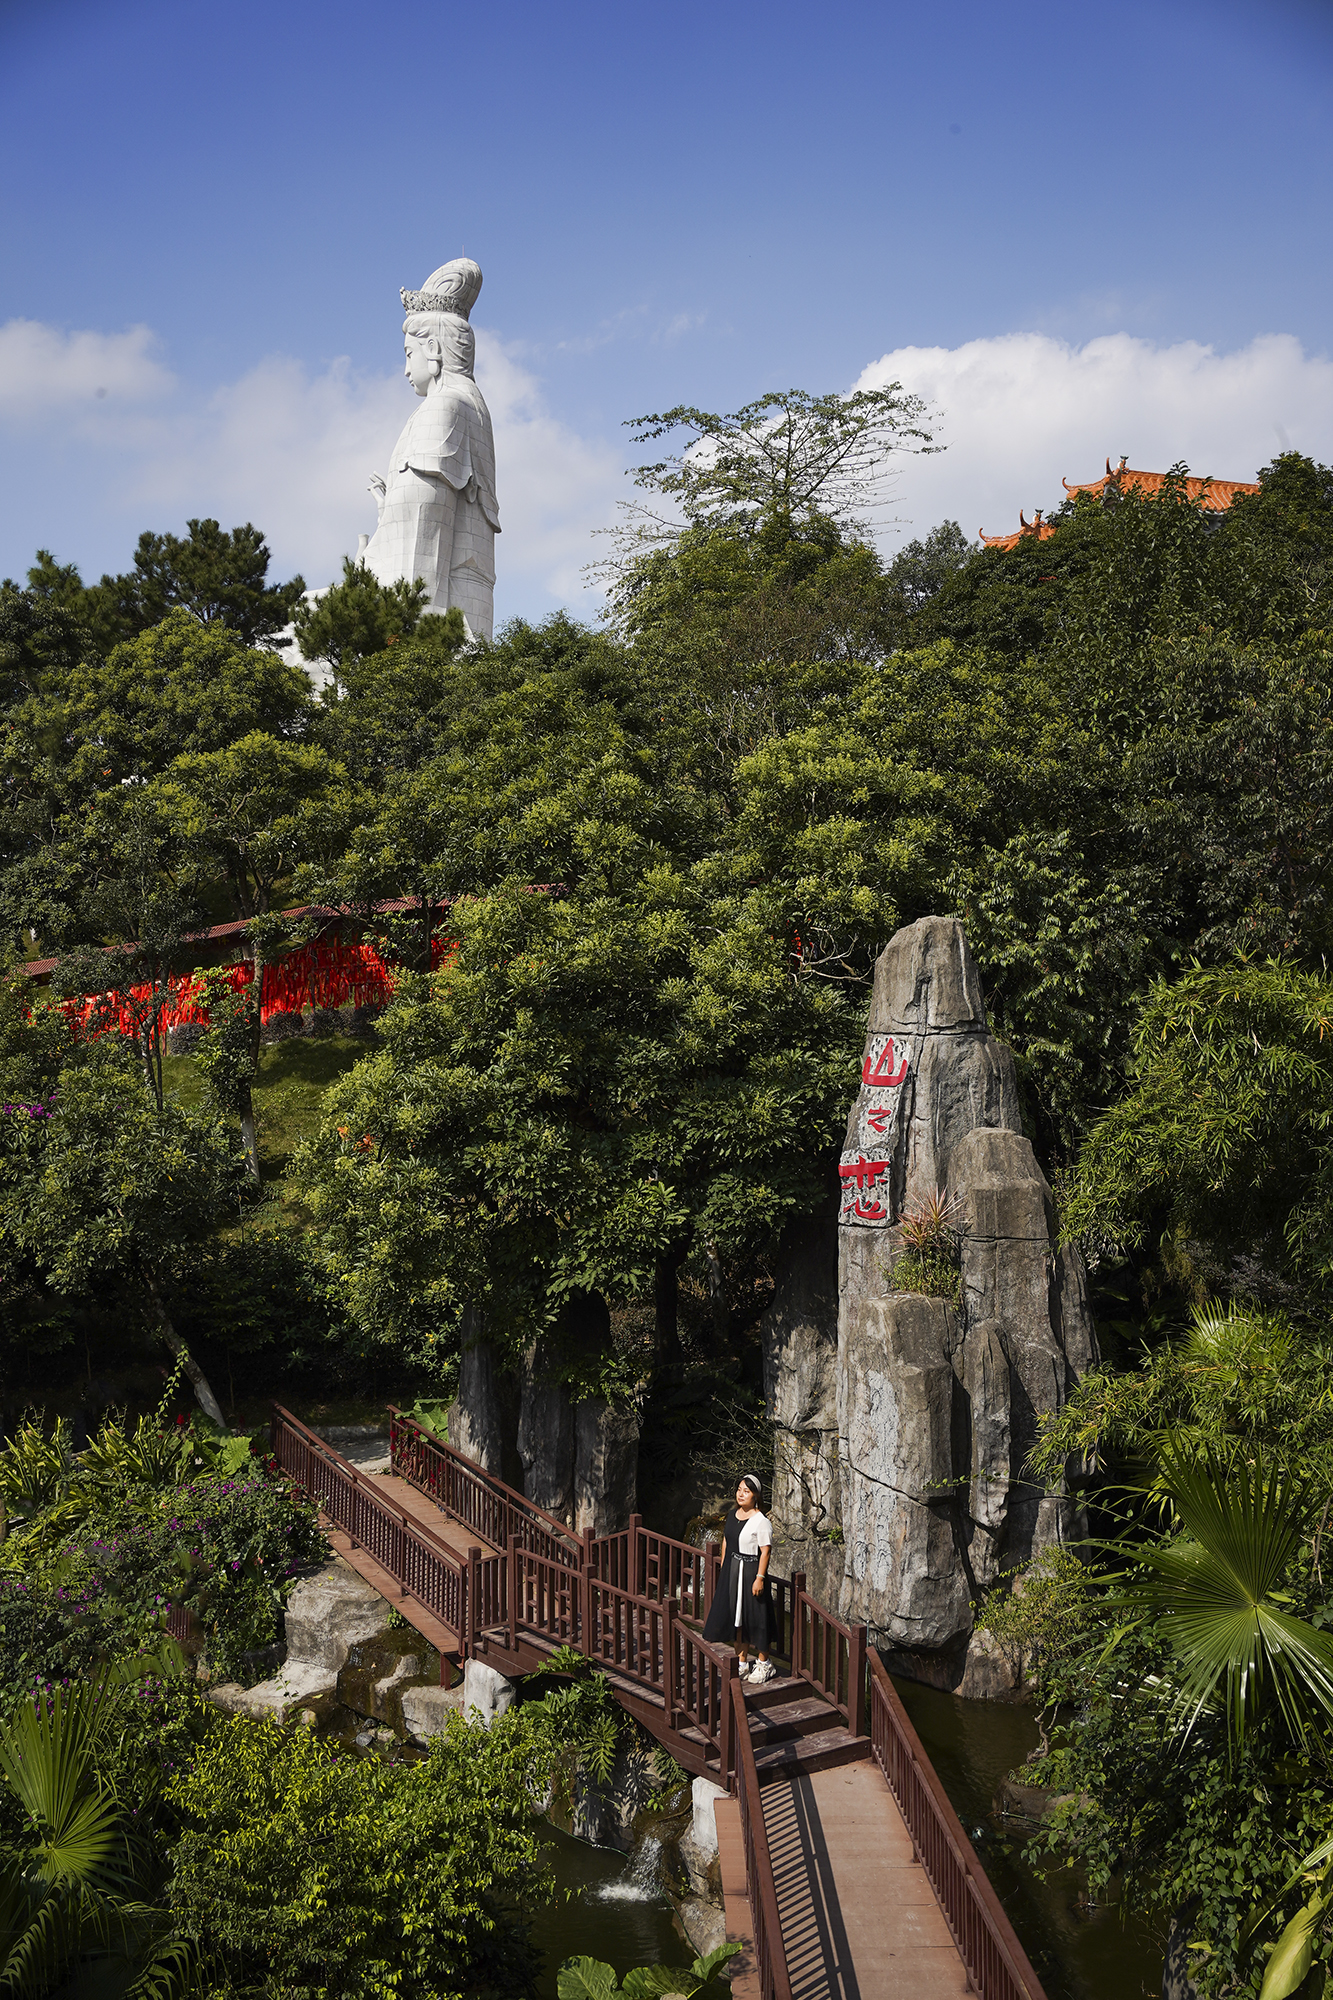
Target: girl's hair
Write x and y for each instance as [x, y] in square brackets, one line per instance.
[755, 1484]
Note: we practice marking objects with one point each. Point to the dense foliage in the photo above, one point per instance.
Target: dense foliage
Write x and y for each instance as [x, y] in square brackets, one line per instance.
[667, 855]
[673, 853]
[100, 1543]
[300, 1870]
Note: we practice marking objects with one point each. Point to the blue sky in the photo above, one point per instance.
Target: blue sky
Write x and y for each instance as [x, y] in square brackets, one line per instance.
[207, 213]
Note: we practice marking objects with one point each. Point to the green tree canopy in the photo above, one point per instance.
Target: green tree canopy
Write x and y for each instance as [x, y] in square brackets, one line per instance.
[218, 576]
[362, 616]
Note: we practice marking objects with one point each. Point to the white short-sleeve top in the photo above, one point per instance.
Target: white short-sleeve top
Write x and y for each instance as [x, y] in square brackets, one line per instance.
[756, 1534]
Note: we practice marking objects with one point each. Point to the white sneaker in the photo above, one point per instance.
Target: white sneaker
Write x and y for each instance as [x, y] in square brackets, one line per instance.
[762, 1670]
[744, 1670]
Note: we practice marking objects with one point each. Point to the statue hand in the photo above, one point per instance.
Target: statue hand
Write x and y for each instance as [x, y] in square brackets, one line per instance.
[377, 485]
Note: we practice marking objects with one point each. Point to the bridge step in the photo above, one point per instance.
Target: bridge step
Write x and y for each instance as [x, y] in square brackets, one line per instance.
[769, 1694]
[810, 1753]
[788, 1720]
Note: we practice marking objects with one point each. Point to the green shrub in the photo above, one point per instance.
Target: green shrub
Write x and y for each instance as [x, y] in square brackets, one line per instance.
[303, 1872]
[929, 1261]
[928, 1272]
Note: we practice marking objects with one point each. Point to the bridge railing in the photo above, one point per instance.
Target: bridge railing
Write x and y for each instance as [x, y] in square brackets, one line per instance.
[996, 1962]
[699, 1694]
[830, 1654]
[654, 1566]
[639, 1639]
[423, 1566]
[544, 1596]
[481, 1502]
[766, 1922]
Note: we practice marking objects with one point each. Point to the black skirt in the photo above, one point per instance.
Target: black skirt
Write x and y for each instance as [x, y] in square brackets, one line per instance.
[759, 1619]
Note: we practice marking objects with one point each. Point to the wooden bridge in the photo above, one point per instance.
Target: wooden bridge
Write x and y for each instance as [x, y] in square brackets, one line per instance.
[845, 1870]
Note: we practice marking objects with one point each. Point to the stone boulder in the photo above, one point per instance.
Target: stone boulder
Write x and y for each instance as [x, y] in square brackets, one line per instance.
[903, 1421]
[1027, 1300]
[297, 1691]
[896, 1396]
[476, 1415]
[704, 1924]
[799, 1333]
[426, 1711]
[486, 1692]
[606, 1466]
[546, 1436]
[328, 1614]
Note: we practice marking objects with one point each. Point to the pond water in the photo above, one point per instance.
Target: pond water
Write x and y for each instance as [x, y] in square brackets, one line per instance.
[610, 1905]
[618, 1913]
[1078, 1953]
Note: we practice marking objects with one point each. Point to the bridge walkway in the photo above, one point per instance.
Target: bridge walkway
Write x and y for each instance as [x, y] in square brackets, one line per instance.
[845, 1870]
[857, 1912]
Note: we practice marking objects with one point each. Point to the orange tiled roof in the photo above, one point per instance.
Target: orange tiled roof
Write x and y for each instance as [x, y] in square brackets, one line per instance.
[1216, 494]
[1035, 528]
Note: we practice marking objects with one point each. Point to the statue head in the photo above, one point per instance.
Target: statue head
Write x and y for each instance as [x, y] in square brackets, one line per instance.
[436, 336]
[436, 344]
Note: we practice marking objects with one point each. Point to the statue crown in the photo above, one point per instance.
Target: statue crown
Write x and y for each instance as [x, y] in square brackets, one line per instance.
[451, 289]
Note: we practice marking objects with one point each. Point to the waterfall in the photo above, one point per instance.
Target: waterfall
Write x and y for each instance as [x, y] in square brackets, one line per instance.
[640, 1882]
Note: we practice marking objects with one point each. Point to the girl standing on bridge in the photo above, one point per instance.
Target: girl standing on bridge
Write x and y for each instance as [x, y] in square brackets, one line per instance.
[742, 1607]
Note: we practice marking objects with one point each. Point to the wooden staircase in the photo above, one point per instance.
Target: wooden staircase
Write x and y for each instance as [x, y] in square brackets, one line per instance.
[793, 1730]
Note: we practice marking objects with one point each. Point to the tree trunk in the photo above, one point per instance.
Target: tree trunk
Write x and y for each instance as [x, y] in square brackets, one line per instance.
[204, 1396]
[718, 1292]
[666, 1308]
[249, 1135]
[150, 1074]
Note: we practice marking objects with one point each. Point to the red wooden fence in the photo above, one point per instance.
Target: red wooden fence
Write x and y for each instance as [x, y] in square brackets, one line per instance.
[458, 1486]
[622, 1600]
[424, 1566]
[769, 1949]
[996, 1962]
[830, 1654]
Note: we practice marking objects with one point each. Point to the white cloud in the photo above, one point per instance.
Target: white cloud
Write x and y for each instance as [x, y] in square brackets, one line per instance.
[43, 369]
[291, 446]
[555, 486]
[286, 446]
[1020, 411]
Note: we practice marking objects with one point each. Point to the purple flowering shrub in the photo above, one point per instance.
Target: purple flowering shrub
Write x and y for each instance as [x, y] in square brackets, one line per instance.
[228, 1546]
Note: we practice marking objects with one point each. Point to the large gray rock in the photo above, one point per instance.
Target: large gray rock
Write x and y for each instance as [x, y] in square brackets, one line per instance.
[328, 1614]
[799, 1332]
[1032, 1301]
[546, 1436]
[486, 1692]
[606, 1466]
[426, 1711]
[896, 1394]
[295, 1691]
[938, 1405]
[932, 1071]
[704, 1924]
[476, 1418]
[704, 1795]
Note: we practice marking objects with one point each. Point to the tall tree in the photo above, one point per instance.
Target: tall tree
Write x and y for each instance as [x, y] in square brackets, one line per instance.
[104, 1189]
[219, 576]
[362, 616]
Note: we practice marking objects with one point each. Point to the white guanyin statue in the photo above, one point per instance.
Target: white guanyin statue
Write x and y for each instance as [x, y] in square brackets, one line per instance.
[438, 517]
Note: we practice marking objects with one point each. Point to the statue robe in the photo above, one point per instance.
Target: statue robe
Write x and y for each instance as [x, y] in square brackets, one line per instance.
[439, 518]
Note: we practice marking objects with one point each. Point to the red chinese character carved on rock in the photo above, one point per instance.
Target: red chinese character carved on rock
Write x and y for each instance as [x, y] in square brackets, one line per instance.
[878, 1072]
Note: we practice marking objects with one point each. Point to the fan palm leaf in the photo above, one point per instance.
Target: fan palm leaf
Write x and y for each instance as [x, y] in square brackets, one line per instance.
[71, 1905]
[1217, 1591]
